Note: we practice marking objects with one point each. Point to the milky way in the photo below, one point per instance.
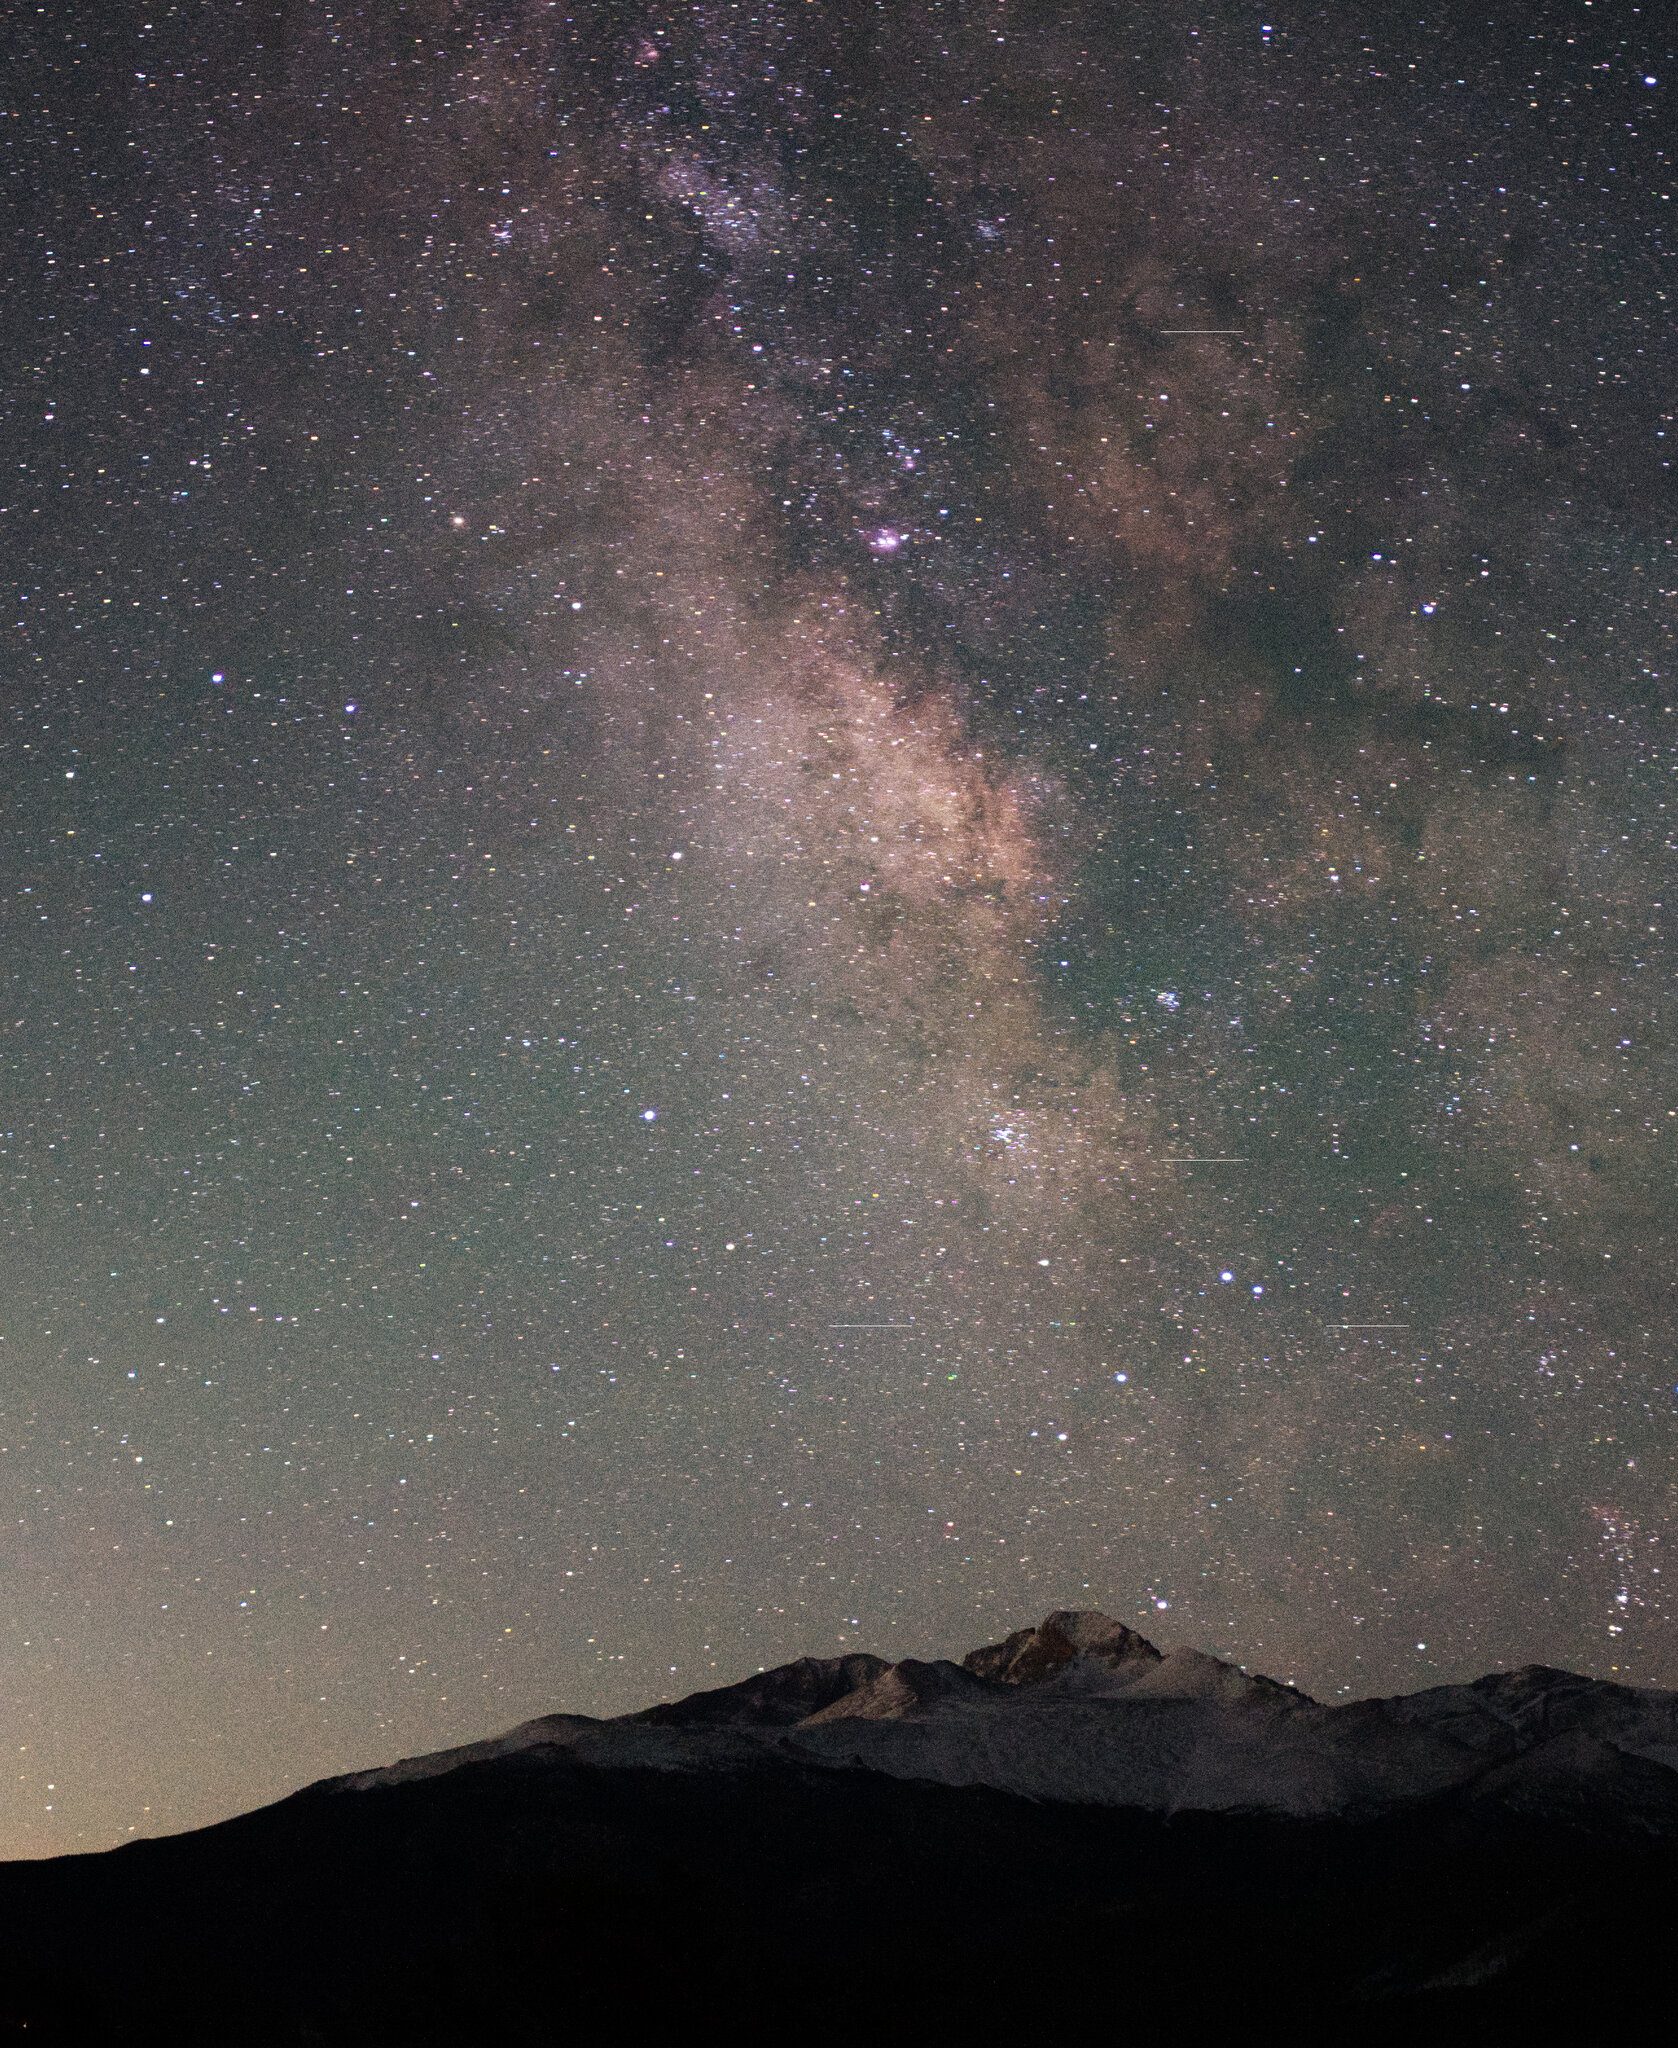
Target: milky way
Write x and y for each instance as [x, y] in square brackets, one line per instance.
[822, 823]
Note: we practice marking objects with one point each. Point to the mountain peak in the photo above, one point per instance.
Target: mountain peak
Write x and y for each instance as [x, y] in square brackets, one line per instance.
[775, 1698]
[1031, 1654]
[901, 1690]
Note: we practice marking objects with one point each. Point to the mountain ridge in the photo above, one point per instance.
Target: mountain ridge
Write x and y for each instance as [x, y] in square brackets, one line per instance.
[1054, 1829]
[1081, 1709]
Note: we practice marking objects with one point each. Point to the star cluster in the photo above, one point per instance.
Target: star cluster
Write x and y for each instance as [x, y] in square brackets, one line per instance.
[822, 822]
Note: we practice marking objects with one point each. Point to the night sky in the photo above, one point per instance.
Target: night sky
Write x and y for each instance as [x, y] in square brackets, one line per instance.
[822, 822]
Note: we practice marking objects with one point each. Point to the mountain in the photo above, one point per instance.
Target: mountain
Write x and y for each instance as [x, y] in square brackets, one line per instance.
[1084, 1711]
[1064, 1829]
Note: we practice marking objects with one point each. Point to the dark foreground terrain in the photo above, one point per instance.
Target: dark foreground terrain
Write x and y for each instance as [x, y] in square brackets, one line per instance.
[534, 1897]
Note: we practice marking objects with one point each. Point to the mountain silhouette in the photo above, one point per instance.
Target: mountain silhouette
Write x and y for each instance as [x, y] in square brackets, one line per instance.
[1066, 1829]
